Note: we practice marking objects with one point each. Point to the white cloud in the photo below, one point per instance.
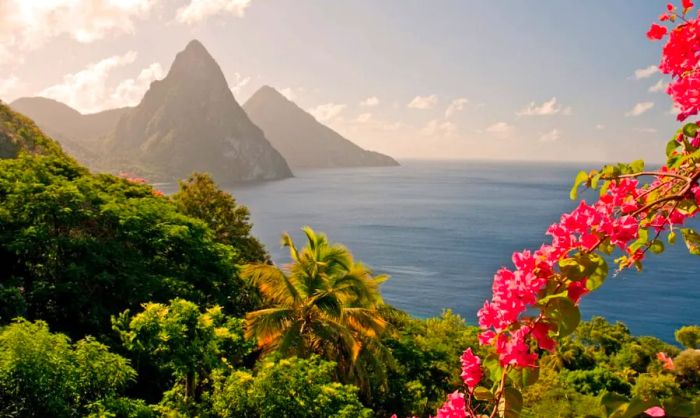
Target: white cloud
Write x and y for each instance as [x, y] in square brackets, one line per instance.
[7, 85]
[326, 112]
[87, 89]
[423, 102]
[552, 136]
[439, 128]
[647, 130]
[370, 102]
[659, 86]
[547, 108]
[364, 117]
[645, 72]
[129, 92]
[501, 129]
[288, 92]
[455, 106]
[238, 83]
[395, 126]
[27, 25]
[640, 108]
[199, 10]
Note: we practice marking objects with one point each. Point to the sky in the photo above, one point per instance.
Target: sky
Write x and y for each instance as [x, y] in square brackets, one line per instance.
[450, 79]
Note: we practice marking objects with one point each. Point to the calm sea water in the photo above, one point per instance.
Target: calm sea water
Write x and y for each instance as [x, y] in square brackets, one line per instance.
[441, 230]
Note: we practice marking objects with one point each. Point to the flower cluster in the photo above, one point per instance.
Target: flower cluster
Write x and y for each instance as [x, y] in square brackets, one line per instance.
[680, 57]
[532, 300]
[471, 369]
[455, 407]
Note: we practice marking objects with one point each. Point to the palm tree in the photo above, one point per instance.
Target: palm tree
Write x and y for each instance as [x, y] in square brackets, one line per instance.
[323, 303]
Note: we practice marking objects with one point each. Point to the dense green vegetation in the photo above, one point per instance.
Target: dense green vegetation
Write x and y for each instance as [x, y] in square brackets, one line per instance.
[120, 302]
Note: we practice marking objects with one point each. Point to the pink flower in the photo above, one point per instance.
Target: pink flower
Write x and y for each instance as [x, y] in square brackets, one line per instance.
[577, 289]
[454, 407]
[540, 332]
[656, 32]
[655, 411]
[666, 360]
[471, 369]
[589, 241]
[486, 337]
[514, 350]
[687, 4]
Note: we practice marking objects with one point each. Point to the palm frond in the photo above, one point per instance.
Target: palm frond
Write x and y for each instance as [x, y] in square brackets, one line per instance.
[267, 325]
[272, 283]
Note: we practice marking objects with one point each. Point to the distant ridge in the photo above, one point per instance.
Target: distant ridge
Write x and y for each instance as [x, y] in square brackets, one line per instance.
[301, 139]
[187, 122]
[80, 134]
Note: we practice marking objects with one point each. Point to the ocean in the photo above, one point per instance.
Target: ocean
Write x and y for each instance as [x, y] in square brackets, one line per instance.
[442, 229]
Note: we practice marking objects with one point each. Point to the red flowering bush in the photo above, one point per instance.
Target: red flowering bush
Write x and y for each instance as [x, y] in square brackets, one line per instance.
[535, 302]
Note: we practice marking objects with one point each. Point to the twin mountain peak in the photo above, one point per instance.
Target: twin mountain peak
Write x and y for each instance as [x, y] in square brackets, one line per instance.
[190, 121]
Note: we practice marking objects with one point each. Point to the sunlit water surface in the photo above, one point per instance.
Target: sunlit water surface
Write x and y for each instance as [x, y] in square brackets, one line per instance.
[441, 230]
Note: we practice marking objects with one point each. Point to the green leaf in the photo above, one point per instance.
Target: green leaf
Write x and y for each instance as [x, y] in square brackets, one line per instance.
[511, 403]
[636, 166]
[597, 271]
[690, 129]
[581, 266]
[641, 241]
[564, 314]
[482, 394]
[672, 238]
[679, 407]
[572, 268]
[493, 366]
[613, 402]
[604, 188]
[523, 378]
[657, 246]
[671, 146]
[581, 177]
[544, 300]
[692, 240]
[636, 406]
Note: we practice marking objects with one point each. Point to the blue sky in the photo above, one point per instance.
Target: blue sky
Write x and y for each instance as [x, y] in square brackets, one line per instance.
[499, 64]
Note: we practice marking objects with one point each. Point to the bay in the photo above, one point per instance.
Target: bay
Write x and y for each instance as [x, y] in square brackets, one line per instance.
[441, 229]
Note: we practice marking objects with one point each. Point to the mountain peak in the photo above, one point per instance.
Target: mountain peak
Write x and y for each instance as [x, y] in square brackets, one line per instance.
[267, 92]
[195, 45]
[196, 63]
[189, 121]
[301, 139]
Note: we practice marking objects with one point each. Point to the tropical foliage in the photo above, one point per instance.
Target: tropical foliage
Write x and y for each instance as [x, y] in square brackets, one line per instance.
[292, 387]
[536, 303]
[199, 197]
[76, 248]
[177, 311]
[324, 303]
[45, 375]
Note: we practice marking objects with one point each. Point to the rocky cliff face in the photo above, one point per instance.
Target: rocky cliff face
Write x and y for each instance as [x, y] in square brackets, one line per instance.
[190, 121]
[301, 139]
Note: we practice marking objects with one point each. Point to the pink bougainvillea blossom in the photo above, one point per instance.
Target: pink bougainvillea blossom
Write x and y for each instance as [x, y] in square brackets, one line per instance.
[471, 369]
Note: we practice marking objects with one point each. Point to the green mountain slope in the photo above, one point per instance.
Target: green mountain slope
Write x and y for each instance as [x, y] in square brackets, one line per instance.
[19, 133]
